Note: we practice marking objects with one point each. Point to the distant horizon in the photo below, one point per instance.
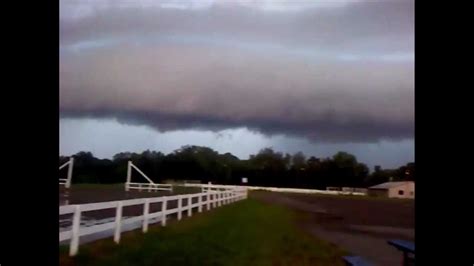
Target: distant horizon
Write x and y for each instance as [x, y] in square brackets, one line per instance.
[99, 153]
[371, 169]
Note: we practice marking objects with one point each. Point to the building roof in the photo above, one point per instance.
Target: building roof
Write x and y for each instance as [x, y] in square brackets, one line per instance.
[388, 185]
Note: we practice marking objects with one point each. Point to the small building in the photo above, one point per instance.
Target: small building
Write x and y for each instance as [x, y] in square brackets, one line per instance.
[403, 189]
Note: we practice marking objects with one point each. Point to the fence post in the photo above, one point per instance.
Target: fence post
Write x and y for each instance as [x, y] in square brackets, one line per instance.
[129, 175]
[190, 211]
[214, 199]
[208, 200]
[118, 222]
[164, 206]
[219, 198]
[69, 173]
[180, 203]
[146, 211]
[76, 223]
[200, 203]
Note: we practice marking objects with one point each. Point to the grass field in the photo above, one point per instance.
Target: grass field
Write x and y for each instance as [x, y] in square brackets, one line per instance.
[244, 233]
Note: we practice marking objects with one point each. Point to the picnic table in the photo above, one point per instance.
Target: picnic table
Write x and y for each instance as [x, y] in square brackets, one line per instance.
[408, 249]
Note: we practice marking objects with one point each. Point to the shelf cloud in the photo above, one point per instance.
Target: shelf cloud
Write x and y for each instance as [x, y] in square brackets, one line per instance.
[341, 71]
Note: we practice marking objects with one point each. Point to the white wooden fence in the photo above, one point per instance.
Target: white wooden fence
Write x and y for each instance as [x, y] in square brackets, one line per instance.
[277, 189]
[66, 182]
[148, 187]
[210, 199]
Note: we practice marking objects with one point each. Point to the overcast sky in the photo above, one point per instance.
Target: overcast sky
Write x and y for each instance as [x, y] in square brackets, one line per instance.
[237, 76]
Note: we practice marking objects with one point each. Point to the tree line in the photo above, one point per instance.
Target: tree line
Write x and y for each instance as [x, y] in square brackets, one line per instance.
[266, 168]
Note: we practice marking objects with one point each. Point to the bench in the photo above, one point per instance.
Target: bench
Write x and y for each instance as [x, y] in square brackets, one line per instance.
[408, 249]
[356, 261]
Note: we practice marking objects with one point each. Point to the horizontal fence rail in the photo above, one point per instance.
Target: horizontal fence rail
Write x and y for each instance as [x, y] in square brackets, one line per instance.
[149, 187]
[205, 187]
[209, 199]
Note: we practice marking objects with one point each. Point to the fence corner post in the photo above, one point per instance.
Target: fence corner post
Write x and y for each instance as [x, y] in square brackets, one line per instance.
[129, 175]
[69, 173]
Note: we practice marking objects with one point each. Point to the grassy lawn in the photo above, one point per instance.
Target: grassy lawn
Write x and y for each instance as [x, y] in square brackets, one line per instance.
[248, 232]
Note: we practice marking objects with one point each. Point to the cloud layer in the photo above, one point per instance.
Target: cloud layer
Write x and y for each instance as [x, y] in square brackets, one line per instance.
[330, 73]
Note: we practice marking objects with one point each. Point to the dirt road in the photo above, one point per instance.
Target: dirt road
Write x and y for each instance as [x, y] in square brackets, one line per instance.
[360, 226]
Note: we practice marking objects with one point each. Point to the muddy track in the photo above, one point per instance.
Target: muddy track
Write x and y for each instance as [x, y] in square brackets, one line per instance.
[360, 226]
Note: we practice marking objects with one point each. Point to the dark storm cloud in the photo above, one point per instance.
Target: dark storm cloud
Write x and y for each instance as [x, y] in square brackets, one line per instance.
[360, 26]
[340, 73]
[326, 130]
